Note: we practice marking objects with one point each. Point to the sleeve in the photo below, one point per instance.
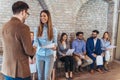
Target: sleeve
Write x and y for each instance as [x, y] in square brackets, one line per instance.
[89, 52]
[26, 41]
[73, 46]
[102, 45]
[100, 49]
[108, 44]
[84, 47]
[59, 51]
[55, 34]
[35, 37]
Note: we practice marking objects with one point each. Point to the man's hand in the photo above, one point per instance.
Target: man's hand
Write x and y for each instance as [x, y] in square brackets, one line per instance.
[30, 61]
[86, 57]
[35, 48]
[94, 55]
[82, 56]
[102, 54]
[77, 54]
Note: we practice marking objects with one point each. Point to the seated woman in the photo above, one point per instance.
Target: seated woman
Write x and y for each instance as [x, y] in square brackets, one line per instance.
[106, 43]
[63, 47]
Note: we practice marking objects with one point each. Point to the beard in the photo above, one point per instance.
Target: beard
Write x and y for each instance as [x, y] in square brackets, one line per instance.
[23, 20]
[80, 39]
[94, 37]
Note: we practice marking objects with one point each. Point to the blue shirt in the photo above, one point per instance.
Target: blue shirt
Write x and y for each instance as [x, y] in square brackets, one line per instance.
[43, 41]
[105, 44]
[79, 46]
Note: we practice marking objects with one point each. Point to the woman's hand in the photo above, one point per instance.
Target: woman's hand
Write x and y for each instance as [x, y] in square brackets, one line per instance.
[54, 48]
[107, 49]
[63, 54]
[32, 61]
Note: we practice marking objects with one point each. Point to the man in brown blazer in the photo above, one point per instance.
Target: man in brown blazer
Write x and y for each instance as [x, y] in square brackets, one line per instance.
[17, 46]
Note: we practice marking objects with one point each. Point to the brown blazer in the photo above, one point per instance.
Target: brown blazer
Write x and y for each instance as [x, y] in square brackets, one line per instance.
[17, 47]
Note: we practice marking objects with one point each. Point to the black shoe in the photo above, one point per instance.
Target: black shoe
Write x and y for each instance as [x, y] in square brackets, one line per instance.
[70, 78]
[67, 78]
[106, 70]
[80, 69]
[76, 70]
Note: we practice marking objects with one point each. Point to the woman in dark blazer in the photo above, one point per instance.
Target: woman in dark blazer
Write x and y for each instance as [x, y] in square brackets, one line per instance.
[63, 47]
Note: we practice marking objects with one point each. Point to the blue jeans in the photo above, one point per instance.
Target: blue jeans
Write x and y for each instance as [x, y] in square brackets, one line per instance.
[11, 78]
[44, 66]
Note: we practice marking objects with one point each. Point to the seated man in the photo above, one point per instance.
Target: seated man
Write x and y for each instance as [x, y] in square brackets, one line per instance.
[80, 56]
[93, 47]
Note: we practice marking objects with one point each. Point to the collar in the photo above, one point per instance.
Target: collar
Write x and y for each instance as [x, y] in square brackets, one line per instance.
[79, 40]
[45, 25]
[15, 18]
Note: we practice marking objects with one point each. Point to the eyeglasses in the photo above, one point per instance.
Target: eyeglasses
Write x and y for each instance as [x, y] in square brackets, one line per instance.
[27, 13]
[94, 34]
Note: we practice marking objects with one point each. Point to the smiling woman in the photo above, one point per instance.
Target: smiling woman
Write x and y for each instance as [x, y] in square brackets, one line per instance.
[45, 35]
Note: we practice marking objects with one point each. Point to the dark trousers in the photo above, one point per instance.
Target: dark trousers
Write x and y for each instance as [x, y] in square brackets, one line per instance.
[92, 66]
[68, 63]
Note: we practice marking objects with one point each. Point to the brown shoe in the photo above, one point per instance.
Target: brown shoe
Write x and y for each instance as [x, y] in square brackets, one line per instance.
[92, 71]
[100, 71]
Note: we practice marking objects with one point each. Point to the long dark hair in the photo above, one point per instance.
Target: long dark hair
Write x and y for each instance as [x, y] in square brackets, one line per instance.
[49, 24]
[61, 38]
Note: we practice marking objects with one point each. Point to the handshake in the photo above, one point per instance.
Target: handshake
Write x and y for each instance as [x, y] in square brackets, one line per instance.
[34, 47]
[32, 59]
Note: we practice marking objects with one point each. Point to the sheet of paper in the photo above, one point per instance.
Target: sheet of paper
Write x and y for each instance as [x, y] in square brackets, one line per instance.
[111, 47]
[54, 54]
[49, 46]
[107, 55]
[33, 68]
[99, 60]
[70, 51]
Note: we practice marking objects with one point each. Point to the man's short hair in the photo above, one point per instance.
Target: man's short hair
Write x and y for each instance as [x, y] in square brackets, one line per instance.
[19, 6]
[96, 31]
[77, 34]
